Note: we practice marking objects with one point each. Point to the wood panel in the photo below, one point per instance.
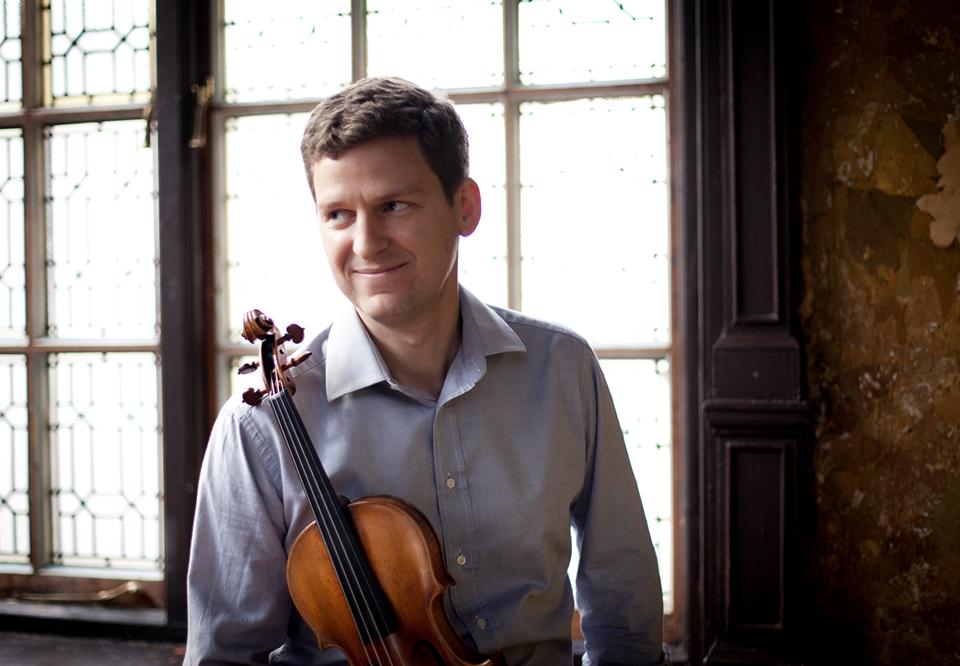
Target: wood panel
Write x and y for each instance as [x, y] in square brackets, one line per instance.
[182, 60]
[750, 449]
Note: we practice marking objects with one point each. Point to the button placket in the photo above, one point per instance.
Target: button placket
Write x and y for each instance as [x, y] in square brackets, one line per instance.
[455, 523]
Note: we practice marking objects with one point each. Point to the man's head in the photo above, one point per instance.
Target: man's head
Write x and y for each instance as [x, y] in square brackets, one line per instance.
[387, 165]
[384, 107]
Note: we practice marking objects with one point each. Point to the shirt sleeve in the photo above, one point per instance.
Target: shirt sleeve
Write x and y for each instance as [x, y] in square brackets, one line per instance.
[238, 607]
[618, 582]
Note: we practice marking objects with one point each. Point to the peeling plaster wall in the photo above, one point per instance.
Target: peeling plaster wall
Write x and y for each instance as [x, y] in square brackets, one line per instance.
[881, 315]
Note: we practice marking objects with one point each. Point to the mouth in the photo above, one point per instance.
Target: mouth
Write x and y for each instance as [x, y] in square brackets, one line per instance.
[377, 271]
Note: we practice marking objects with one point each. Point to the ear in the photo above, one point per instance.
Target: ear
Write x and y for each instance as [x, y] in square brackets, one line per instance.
[468, 198]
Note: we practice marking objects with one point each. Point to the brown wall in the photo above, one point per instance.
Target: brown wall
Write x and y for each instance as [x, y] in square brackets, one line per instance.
[881, 313]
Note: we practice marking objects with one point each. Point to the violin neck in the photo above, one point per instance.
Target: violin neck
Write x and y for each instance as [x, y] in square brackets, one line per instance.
[368, 604]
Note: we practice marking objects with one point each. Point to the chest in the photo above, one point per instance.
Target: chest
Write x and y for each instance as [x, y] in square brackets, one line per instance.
[492, 460]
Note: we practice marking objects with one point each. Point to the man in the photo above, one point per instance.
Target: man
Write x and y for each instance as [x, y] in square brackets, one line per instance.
[498, 428]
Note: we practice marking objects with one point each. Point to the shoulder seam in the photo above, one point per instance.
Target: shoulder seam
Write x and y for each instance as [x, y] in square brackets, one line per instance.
[514, 318]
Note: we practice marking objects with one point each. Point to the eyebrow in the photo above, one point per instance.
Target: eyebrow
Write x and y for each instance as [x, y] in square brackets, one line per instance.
[387, 195]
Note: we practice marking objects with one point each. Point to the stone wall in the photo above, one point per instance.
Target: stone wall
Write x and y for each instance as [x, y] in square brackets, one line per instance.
[881, 315]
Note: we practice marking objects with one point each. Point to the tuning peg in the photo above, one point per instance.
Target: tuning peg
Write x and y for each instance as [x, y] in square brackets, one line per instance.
[253, 396]
[294, 362]
[247, 368]
[294, 333]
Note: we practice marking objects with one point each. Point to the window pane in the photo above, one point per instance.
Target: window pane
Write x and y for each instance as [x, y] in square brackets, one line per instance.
[642, 395]
[14, 470]
[102, 235]
[275, 260]
[12, 275]
[238, 383]
[483, 255]
[11, 88]
[594, 218]
[438, 43]
[98, 51]
[612, 40]
[105, 446]
[293, 50]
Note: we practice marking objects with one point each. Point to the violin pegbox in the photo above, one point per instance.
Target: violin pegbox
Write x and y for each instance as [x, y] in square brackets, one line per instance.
[273, 362]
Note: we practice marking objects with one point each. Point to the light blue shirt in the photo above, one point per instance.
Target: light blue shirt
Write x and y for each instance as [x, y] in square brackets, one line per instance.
[522, 443]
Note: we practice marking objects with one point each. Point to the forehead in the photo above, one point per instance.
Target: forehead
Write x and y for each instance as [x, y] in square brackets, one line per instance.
[388, 162]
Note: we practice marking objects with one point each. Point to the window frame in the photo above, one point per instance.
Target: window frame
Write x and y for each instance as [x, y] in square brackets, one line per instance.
[180, 34]
[33, 118]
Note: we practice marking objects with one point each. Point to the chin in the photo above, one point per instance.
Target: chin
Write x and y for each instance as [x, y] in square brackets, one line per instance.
[384, 308]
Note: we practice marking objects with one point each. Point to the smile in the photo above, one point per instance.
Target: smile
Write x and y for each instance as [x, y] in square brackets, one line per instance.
[377, 271]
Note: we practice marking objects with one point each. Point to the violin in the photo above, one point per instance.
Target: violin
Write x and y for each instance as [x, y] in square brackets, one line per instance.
[367, 577]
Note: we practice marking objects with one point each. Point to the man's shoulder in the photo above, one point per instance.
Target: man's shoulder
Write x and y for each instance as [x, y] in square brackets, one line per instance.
[237, 419]
[540, 331]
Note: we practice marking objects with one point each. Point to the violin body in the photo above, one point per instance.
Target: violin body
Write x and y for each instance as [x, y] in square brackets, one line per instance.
[405, 556]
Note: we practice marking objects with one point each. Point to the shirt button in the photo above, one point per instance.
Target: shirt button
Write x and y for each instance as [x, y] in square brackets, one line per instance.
[451, 483]
[481, 623]
[461, 559]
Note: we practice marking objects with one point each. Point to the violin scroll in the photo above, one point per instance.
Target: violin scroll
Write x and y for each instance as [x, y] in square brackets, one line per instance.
[273, 362]
[256, 326]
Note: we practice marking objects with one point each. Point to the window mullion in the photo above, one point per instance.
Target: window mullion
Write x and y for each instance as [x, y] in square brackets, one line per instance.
[511, 48]
[183, 58]
[38, 395]
[218, 59]
[219, 255]
[358, 43]
[39, 475]
[31, 59]
[36, 288]
[511, 118]
[511, 115]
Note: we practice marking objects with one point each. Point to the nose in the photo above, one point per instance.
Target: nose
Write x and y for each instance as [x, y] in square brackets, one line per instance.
[369, 238]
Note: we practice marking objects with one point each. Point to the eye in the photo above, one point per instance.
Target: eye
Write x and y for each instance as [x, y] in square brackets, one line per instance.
[395, 207]
[337, 217]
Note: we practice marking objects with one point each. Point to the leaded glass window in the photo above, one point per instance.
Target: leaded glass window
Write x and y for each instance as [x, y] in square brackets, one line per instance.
[104, 444]
[566, 105]
[96, 52]
[12, 236]
[101, 233]
[80, 432]
[11, 54]
[14, 472]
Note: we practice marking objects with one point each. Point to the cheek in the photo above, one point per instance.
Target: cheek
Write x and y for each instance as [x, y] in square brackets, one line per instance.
[436, 244]
[336, 249]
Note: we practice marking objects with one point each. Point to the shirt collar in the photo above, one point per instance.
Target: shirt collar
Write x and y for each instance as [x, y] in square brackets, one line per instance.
[483, 324]
[353, 361]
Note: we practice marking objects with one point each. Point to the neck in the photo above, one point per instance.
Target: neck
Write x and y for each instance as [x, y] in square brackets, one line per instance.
[419, 355]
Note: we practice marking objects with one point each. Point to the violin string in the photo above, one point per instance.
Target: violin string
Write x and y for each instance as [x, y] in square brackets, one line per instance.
[334, 514]
[340, 552]
[311, 487]
[354, 558]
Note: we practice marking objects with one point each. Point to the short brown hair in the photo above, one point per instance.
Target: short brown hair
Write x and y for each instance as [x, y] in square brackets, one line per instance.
[381, 107]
